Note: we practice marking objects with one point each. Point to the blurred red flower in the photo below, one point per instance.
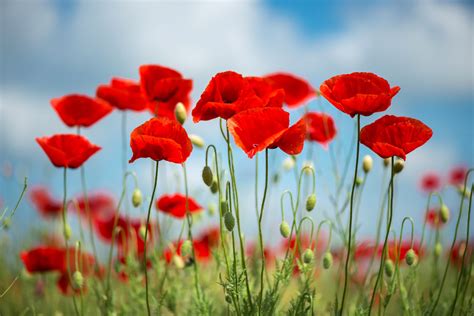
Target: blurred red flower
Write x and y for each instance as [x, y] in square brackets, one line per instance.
[44, 259]
[227, 94]
[364, 250]
[361, 93]
[320, 128]
[67, 150]
[457, 175]
[160, 139]
[163, 88]
[123, 94]
[203, 245]
[98, 202]
[257, 129]
[395, 135]
[457, 254]
[80, 110]
[253, 251]
[44, 203]
[430, 182]
[433, 219]
[297, 90]
[175, 205]
[393, 248]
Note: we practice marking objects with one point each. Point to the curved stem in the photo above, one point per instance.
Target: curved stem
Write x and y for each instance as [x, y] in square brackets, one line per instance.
[349, 244]
[260, 236]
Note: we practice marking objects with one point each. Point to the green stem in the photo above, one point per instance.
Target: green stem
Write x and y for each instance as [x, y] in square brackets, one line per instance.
[384, 250]
[349, 244]
[260, 236]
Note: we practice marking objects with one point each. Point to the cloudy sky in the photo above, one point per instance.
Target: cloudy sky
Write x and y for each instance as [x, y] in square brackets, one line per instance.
[52, 48]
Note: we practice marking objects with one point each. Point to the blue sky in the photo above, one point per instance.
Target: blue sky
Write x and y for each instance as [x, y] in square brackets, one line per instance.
[51, 48]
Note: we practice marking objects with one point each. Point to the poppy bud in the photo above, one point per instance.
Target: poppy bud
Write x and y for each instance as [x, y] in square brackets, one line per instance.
[308, 256]
[214, 186]
[142, 232]
[224, 207]
[398, 165]
[67, 231]
[389, 268]
[308, 166]
[77, 280]
[359, 181]
[438, 249]
[137, 197]
[289, 163]
[180, 113]
[228, 299]
[178, 261]
[410, 257]
[367, 163]
[229, 221]
[327, 260]
[284, 229]
[186, 248]
[7, 223]
[207, 176]
[464, 190]
[196, 140]
[311, 202]
[444, 213]
[211, 208]
[386, 162]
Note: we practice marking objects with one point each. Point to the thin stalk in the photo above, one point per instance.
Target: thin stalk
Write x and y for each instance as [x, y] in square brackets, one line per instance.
[260, 236]
[349, 244]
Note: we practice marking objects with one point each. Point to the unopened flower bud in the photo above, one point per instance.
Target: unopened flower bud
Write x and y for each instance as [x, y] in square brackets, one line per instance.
[386, 162]
[289, 163]
[228, 299]
[178, 261]
[308, 256]
[389, 268]
[207, 175]
[224, 207]
[307, 167]
[142, 232]
[7, 222]
[444, 213]
[284, 229]
[67, 232]
[137, 197]
[398, 165]
[438, 249]
[410, 257]
[186, 248]
[214, 186]
[359, 181]
[463, 190]
[180, 113]
[78, 280]
[211, 208]
[197, 140]
[367, 163]
[229, 221]
[311, 202]
[327, 260]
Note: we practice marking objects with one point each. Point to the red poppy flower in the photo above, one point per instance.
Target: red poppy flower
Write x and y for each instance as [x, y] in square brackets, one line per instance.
[361, 93]
[268, 94]
[67, 150]
[297, 90]
[99, 203]
[393, 248]
[433, 219]
[175, 205]
[457, 254]
[160, 139]
[123, 94]
[44, 203]
[226, 94]
[457, 175]
[210, 236]
[364, 250]
[164, 88]
[257, 129]
[80, 110]
[430, 182]
[395, 136]
[320, 128]
[44, 259]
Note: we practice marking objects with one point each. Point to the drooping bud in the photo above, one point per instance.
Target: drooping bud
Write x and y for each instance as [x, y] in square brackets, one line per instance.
[186, 248]
[180, 113]
[444, 213]
[7, 223]
[398, 165]
[359, 181]
[386, 162]
[308, 166]
[197, 140]
[367, 163]
[327, 260]
[285, 229]
[214, 186]
[224, 207]
[207, 175]
[311, 202]
[410, 257]
[211, 208]
[438, 249]
[463, 190]
[229, 221]
[389, 268]
[137, 197]
[142, 232]
[67, 232]
[77, 280]
[308, 256]
[289, 163]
